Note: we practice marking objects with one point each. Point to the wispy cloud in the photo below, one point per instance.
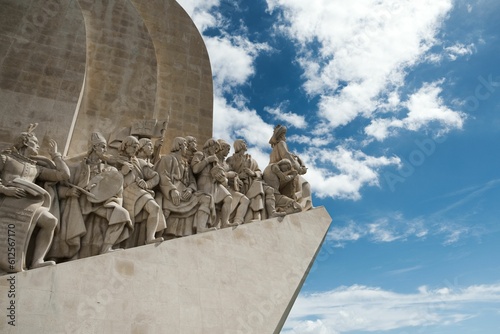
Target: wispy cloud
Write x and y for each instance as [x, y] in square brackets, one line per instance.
[392, 227]
[363, 308]
[281, 115]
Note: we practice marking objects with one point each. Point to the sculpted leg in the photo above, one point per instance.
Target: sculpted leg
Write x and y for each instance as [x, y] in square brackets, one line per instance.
[153, 210]
[225, 212]
[47, 223]
[271, 204]
[242, 210]
[202, 218]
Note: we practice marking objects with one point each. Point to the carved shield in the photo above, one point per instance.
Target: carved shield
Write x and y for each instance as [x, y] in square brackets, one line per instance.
[105, 186]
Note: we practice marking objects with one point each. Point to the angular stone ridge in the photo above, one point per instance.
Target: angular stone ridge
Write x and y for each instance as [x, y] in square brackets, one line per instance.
[234, 280]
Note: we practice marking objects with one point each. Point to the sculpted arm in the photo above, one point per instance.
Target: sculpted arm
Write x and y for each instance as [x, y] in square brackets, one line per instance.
[200, 162]
[62, 172]
[5, 189]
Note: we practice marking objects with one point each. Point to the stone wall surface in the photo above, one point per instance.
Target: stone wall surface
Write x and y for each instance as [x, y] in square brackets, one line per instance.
[42, 67]
[78, 66]
[234, 280]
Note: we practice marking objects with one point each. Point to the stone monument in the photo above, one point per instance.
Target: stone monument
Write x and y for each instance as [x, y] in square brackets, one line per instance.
[132, 228]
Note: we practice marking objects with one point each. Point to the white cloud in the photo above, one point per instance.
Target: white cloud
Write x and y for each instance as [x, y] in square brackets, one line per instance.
[311, 140]
[288, 117]
[392, 227]
[363, 48]
[201, 11]
[459, 50]
[240, 123]
[232, 60]
[424, 107]
[362, 308]
[355, 170]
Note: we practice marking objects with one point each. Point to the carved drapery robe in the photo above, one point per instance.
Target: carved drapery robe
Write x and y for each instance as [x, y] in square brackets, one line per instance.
[175, 174]
[85, 227]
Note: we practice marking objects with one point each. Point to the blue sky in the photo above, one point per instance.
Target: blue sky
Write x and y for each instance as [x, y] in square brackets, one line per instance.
[394, 105]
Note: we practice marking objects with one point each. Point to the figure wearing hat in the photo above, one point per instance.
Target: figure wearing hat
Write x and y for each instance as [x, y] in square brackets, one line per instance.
[93, 219]
[24, 205]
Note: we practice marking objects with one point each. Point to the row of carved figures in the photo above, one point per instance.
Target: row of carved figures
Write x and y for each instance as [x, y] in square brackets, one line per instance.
[55, 210]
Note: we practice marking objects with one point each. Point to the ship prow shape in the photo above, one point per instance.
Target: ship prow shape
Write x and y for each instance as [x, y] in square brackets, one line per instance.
[234, 280]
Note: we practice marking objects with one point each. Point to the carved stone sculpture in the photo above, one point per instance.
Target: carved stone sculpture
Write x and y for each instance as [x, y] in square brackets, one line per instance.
[280, 176]
[263, 203]
[300, 188]
[210, 178]
[138, 196]
[187, 211]
[92, 217]
[24, 205]
[239, 205]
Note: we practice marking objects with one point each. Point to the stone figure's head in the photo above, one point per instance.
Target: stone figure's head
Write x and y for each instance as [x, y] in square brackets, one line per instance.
[211, 147]
[145, 148]
[239, 145]
[224, 148]
[179, 144]
[285, 165]
[129, 146]
[27, 141]
[279, 134]
[97, 144]
[191, 143]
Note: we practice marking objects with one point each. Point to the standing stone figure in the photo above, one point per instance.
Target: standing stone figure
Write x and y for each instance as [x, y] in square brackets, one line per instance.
[25, 205]
[210, 178]
[138, 196]
[93, 219]
[239, 205]
[187, 211]
[263, 203]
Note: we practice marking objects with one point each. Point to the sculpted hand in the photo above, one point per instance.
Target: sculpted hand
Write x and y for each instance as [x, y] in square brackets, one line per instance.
[14, 192]
[126, 168]
[212, 158]
[52, 147]
[248, 171]
[186, 195]
[73, 192]
[176, 197]
[141, 183]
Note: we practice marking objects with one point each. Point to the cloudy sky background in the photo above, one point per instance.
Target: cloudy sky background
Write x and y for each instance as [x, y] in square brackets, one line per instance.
[394, 106]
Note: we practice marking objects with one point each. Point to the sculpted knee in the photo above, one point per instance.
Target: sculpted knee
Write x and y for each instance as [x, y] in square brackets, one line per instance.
[47, 221]
[205, 200]
[244, 200]
[228, 200]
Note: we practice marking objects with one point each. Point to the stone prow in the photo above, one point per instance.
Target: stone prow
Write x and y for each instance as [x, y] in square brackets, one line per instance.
[234, 280]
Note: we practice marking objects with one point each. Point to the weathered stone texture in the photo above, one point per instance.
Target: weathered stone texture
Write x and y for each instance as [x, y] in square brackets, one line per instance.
[42, 65]
[140, 59]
